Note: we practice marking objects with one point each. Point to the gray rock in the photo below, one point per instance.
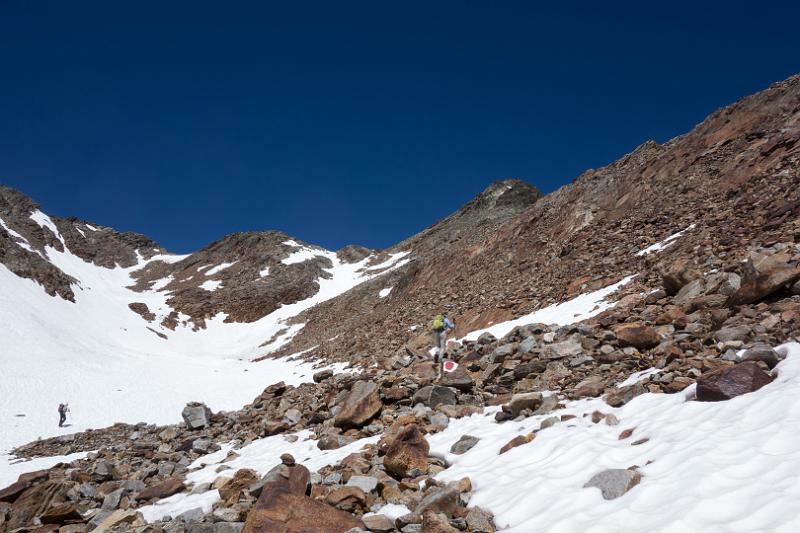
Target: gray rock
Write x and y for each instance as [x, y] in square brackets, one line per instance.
[736, 333]
[614, 482]
[549, 422]
[378, 523]
[97, 519]
[501, 353]
[196, 415]
[762, 352]
[527, 345]
[192, 515]
[292, 416]
[433, 395]
[464, 444]
[111, 501]
[689, 291]
[560, 350]
[204, 446]
[486, 338]
[200, 527]
[528, 400]
[228, 527]
[365, 483]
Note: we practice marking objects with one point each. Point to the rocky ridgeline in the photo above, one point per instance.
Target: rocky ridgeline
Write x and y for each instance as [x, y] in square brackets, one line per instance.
[714, 327]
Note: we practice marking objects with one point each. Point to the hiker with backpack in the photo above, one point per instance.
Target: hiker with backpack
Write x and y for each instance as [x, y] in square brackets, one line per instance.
[63, 409]
[441, 325]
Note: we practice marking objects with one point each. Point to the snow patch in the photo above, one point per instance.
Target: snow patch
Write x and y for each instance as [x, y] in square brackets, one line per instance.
[45, 221]
[385, 292]
[11, 467]
[636, 377]
[19, 239]
[579, 308]
[264, 272]
[211, 285]
[657, 247]
[219, 268]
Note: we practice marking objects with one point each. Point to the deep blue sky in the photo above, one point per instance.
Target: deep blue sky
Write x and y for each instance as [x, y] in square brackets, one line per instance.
[342, 122]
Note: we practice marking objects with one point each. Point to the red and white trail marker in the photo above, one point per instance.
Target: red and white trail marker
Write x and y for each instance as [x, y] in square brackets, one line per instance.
[449, 366]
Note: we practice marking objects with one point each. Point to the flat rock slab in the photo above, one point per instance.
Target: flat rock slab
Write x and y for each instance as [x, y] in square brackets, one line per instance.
[614, 482]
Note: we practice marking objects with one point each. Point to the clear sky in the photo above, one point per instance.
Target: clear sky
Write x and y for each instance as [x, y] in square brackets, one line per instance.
[351, 122]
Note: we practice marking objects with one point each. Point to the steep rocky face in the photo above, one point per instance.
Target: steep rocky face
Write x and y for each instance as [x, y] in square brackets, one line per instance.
[28, 231]
[733, 179]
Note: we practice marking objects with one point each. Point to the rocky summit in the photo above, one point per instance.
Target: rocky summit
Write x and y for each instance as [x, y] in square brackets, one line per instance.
[614, 339]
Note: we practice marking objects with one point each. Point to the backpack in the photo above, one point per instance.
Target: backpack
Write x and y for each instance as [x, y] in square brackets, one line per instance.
[438, 323]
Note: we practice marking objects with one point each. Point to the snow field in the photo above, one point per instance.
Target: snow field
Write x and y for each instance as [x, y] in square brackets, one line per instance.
[730, 466]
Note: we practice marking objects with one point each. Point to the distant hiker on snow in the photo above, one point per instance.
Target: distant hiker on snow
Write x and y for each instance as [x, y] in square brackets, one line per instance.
[63, 409]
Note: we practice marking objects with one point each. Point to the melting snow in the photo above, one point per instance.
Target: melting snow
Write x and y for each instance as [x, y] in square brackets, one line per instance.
[579, 308]
[385, 292]
[264, 272]
[657, 247]
[91, 227]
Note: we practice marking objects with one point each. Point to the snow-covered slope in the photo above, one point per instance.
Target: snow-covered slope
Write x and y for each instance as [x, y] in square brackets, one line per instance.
[111, 365]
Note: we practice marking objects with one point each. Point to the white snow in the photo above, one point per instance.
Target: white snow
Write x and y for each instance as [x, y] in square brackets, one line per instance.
[91, 227]
[261, 455]
[731, 466]
[302, 254]
[79, 230]
[657, 247]
[211, 285]
[161, 283]
[385, 292]
[392, 511]
[180, 503]
[219, 268]
[579, 308]
[636, 377]
[104, 360]
[264, 272]
[11, 468]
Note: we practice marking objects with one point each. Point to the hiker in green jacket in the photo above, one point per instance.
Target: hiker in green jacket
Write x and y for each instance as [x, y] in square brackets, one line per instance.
[441, 325]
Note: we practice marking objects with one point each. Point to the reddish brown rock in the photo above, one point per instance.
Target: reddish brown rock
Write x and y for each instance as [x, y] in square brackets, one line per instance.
[13, 491]
[360, 406]
[637, 335]
[433, 522]
[62, 513]
[729, 382]
[761, 285]
[348, 498]
[240, 481]
[407, 452]
[278, 511]
[519, 440]
[164, 489]
[35, 501]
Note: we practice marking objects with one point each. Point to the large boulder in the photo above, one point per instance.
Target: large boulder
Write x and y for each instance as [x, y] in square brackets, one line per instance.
[286, 477]
[360, 406]
[638, 335]
[407, 452]
[677, 275]
[435, 395]
[278, 511]
[760, 284]
[614, 482]
[35, 501]
[196, 415]
[519, 402]
[732, 381]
